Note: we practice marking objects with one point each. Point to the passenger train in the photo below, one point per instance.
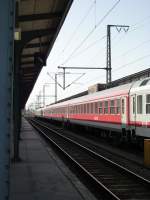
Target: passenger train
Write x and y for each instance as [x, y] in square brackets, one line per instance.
[123, 110]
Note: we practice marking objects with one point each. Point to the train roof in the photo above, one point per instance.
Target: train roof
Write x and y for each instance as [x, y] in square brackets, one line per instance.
[143, 84]
[133, 87]
[116, 91]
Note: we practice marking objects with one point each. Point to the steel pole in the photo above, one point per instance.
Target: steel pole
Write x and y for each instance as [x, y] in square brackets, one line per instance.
[7, 13]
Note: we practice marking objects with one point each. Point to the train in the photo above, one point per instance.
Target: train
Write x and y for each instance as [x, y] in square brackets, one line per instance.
[122, 111]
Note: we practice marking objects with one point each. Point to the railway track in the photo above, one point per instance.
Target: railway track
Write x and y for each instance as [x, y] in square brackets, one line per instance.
[113, 180]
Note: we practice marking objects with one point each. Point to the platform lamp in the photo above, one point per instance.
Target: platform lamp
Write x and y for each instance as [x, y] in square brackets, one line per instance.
[17, 34]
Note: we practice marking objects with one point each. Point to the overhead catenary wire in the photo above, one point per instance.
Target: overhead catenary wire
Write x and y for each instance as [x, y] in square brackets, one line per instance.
[88, 47]
[73, 34]
[75, 80]
[132, 62]
[78, 26]
[133, 28]
[122, 66]
[130, 50]
[91, 32]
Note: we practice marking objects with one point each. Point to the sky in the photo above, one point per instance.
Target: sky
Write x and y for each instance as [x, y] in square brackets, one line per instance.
[82, 43]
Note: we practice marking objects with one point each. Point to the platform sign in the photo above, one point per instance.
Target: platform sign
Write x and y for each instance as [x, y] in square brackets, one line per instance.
[6, 66]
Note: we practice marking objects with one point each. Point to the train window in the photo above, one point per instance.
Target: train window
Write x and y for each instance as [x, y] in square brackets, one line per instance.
[84, 108]
[70, 110]
[93, 105]
[96, 107]
[144, 82]
[117, 106]
[88, 108]
[122, 106]
[139, 104]
[133, 104]
[148, 104]
[105, 107]
[100, 107]
[112, 107]
[91, 108]
[79, 109]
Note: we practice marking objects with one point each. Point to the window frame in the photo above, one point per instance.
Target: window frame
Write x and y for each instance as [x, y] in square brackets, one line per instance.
[112, 106]
[96, 107]
[123, 106]
[106, 106]
[100, 107]
[139, 104]
[147, 104]
[118, 106]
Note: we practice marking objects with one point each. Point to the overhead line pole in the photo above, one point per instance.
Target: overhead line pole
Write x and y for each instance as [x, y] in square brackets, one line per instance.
[108, 67]
[56, 83]
[108, 53]
[64, 73]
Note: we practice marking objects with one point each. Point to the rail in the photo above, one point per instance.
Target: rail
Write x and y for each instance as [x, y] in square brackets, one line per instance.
[115, 181]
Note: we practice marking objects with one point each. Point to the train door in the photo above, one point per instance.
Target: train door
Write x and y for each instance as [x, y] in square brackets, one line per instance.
[124, 111]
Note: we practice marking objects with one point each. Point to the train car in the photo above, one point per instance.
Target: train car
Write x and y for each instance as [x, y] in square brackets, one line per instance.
[38, 112]
[123, 110]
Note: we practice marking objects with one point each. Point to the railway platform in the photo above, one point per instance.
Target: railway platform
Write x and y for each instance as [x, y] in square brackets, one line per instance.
[41, 174]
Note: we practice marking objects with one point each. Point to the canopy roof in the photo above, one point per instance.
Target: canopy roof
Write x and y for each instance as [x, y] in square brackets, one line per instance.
[39, 22]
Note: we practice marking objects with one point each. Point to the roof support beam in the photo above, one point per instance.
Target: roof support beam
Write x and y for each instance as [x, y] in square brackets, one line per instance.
[29, 71]
[28, 74]
[35, 45]
[27, 66]
[41, 16]
[27, 63]
[27, 55]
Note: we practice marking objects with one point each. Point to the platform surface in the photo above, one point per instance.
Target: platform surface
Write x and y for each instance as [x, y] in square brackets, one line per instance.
[38, 176]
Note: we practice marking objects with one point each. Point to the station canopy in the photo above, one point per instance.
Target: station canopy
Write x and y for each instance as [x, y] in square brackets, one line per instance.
[38, 23]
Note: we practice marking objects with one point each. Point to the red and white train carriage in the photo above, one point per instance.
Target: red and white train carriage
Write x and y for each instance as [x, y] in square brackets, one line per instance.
[124, 109]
